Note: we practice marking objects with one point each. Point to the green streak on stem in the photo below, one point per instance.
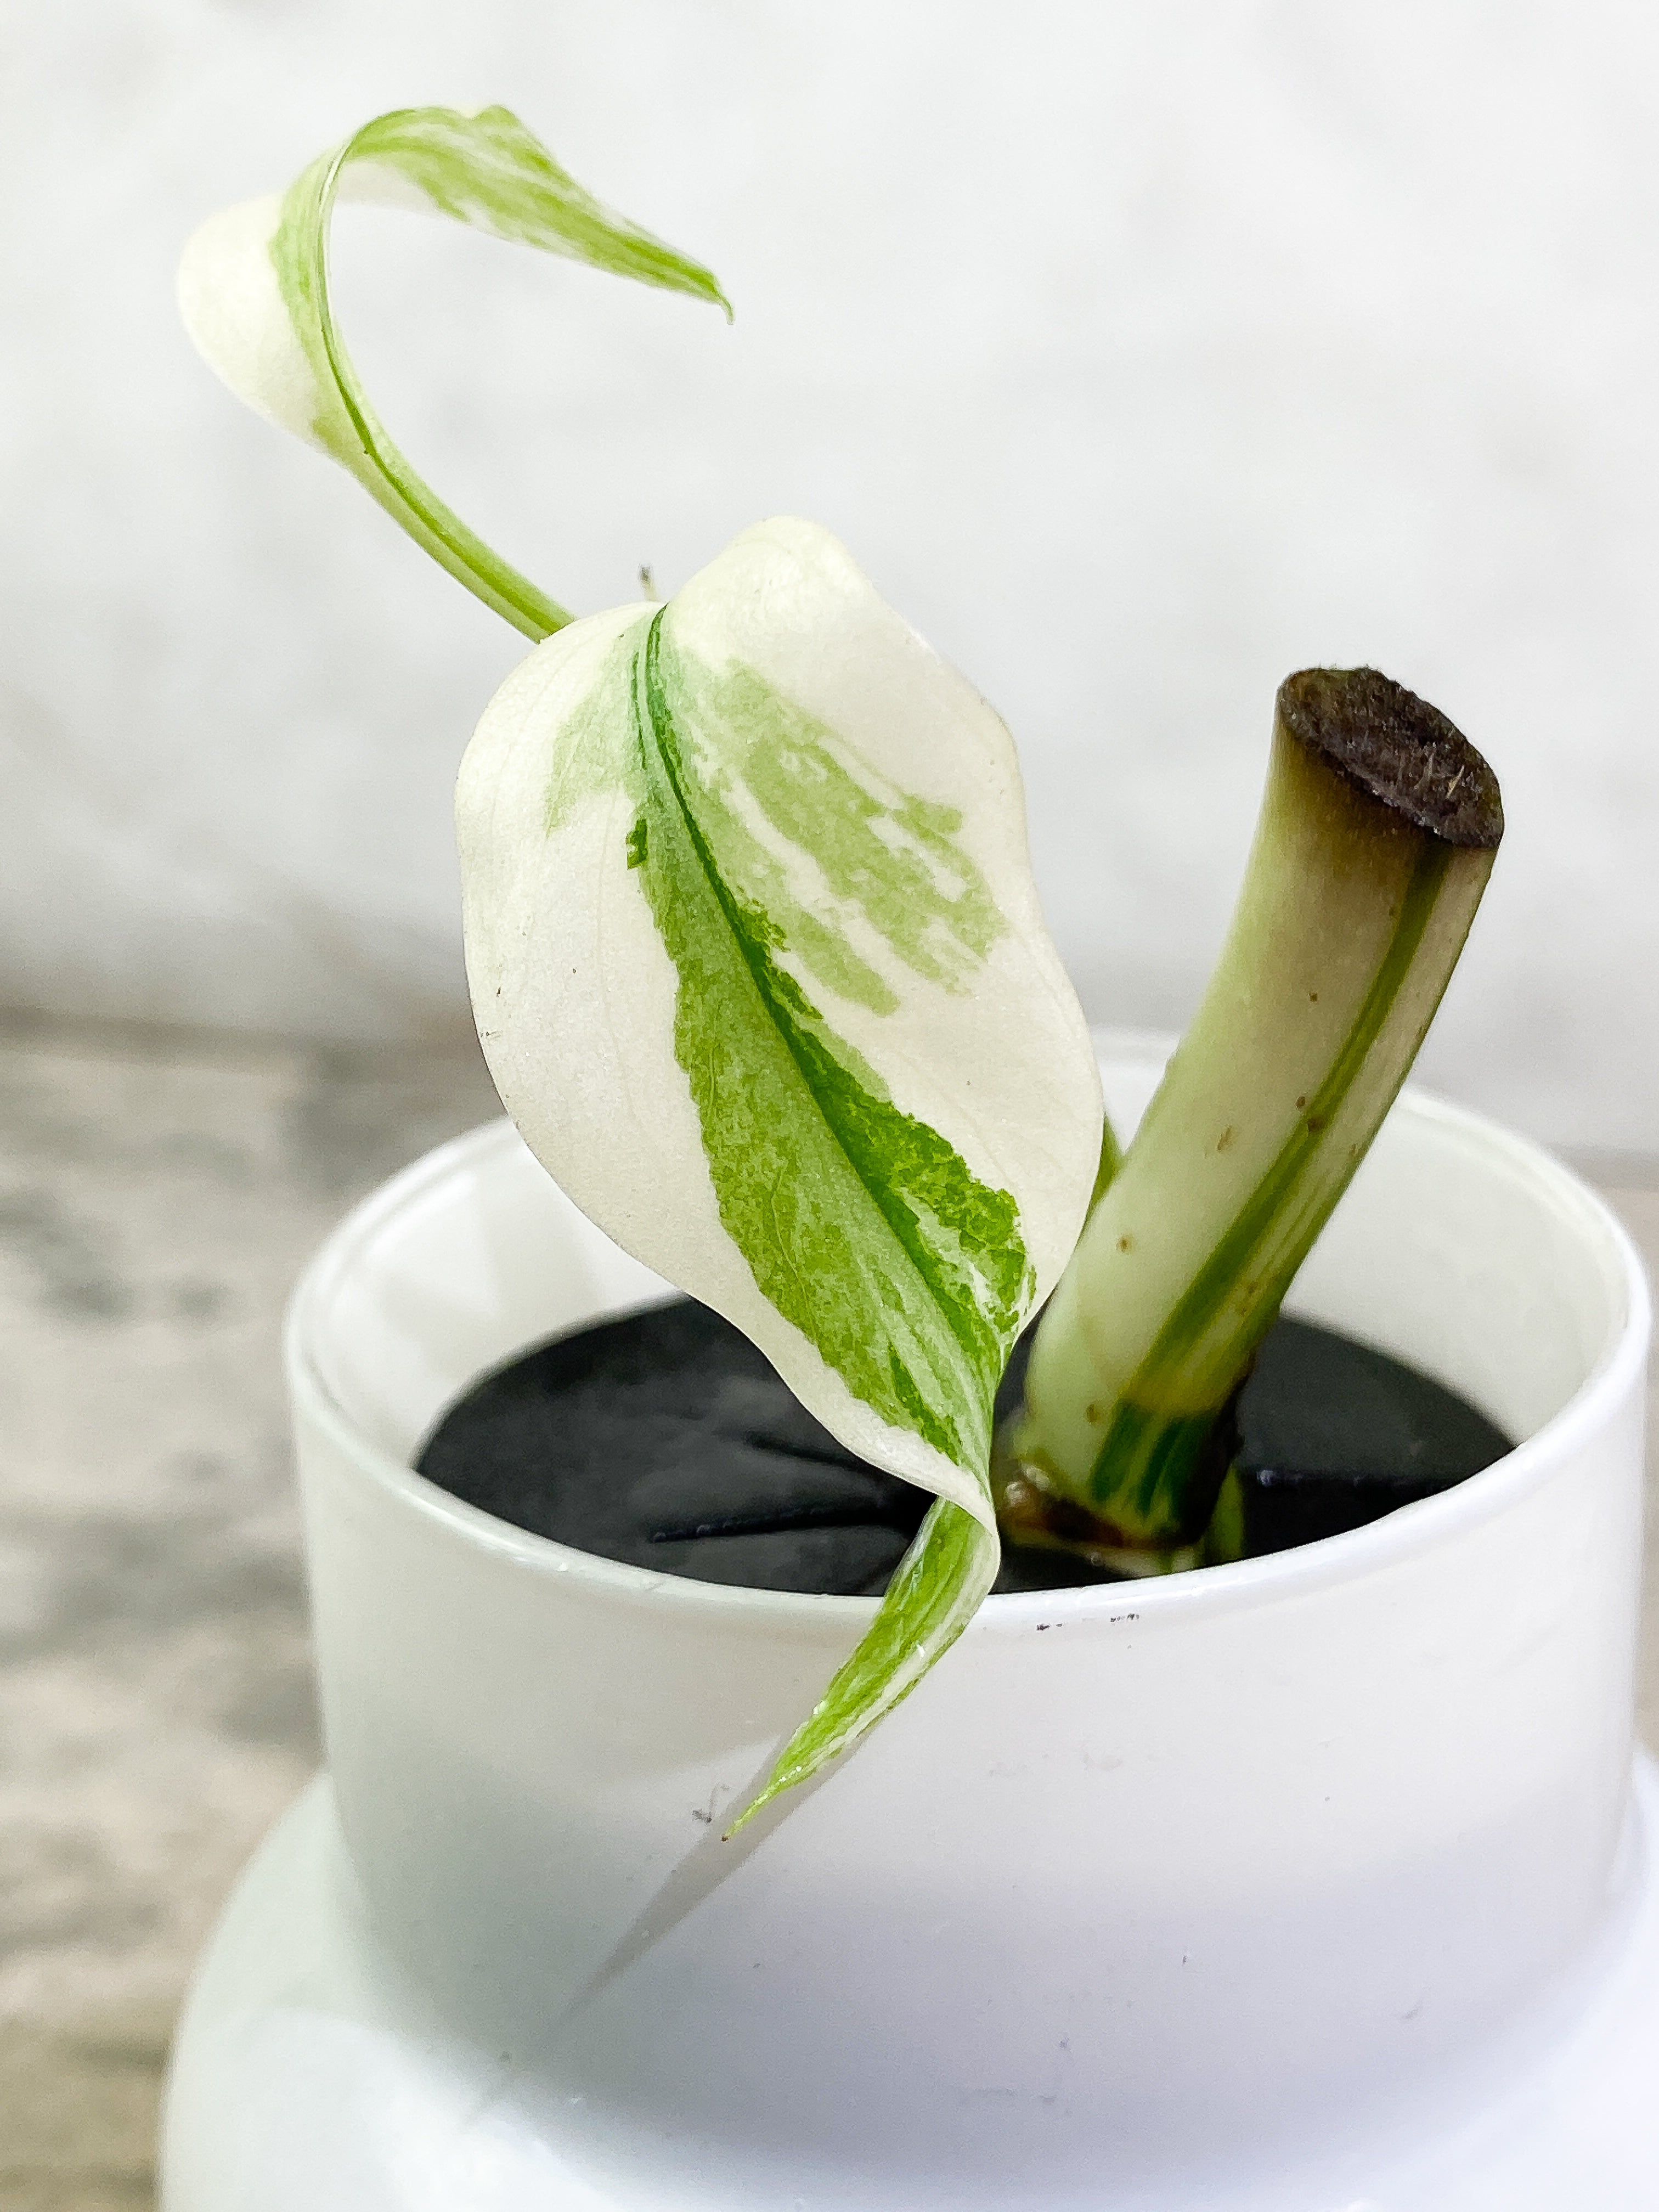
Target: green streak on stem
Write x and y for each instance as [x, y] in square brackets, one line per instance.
[1148, 1460]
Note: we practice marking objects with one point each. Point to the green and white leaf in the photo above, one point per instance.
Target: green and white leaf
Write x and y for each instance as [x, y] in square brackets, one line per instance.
[760, 973]
[754, 945]
[254, 287]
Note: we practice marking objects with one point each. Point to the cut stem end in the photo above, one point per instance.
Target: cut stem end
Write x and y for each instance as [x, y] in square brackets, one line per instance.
[1397, 749]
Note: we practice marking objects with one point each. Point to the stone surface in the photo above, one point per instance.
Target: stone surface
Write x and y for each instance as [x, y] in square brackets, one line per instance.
[156, 1707]
[157, 1195]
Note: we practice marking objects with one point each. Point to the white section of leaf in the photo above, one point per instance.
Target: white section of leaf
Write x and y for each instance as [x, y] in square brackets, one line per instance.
[233, 311]
[375, 182]
[1006, 1072]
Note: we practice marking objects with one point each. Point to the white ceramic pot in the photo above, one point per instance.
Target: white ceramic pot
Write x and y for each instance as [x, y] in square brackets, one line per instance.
[1315, 1883]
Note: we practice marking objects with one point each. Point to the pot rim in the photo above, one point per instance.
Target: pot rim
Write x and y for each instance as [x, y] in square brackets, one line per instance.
[1406, 1532]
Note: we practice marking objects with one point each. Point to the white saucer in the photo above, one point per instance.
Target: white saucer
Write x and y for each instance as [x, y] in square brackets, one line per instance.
[309, 2077]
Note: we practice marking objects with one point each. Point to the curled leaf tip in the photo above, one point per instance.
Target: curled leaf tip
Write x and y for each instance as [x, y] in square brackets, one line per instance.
[253, 289]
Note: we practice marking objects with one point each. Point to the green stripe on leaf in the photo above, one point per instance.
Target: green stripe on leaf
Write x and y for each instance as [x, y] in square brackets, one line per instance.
[1147, 1458]
[937, 1589]
[859, 1222]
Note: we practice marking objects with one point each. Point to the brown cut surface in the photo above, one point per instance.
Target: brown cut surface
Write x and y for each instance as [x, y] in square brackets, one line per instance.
[1398, 748]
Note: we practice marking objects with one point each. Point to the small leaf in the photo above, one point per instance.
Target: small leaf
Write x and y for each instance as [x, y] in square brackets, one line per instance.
[253, 290]
[762, 976]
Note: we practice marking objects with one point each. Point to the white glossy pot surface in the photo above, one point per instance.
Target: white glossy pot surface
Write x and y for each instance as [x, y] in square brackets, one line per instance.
[1149, 1889]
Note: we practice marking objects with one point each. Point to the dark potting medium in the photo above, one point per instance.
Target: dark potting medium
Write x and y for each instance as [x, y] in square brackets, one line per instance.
[666, 1440]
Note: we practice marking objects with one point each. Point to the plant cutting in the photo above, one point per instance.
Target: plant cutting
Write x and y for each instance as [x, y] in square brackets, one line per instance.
[759, 970]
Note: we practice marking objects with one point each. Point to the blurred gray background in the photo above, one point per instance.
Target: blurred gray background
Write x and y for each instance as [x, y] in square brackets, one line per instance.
[1142, 353]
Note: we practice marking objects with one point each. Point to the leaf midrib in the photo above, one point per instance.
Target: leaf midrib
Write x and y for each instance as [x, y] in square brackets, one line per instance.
[659, 721]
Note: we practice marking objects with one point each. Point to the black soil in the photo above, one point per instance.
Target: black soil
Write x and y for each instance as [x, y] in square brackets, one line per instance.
[667, 1441]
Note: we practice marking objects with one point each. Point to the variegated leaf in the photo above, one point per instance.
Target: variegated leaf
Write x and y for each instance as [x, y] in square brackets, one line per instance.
[760, 973]
[253, 289]
[755, 949]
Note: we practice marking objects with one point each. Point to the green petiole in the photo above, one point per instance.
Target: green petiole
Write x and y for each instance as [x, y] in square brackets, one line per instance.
[269, 329]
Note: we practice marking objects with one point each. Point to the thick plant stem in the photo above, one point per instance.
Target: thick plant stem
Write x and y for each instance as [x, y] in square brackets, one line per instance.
[1377, 834]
